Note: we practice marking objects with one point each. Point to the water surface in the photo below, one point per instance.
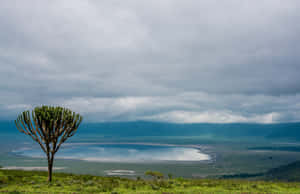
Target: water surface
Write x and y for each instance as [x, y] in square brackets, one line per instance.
[122, 153]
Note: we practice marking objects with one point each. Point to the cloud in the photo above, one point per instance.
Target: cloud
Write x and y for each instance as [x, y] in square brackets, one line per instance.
[190, 108]
[213, 117]
[208, 60]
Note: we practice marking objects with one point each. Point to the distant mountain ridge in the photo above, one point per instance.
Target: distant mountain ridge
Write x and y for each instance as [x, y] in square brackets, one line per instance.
[288, 172]
[143, 128]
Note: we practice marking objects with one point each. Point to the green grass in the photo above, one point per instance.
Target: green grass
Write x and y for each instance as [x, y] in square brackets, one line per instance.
[16, 181]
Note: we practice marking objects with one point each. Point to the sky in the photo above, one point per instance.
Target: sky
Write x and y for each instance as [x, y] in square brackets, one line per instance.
[175, 61]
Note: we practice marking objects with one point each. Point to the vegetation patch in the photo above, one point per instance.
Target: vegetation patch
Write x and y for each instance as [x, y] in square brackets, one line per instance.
[17, 181]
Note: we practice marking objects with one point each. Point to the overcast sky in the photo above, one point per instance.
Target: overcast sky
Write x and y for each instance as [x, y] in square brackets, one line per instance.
[162, 60]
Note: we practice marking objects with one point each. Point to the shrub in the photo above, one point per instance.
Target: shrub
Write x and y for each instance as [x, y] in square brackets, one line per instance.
[154, 187]
[3, 179]
[89, 183]
[164, 184]
[155, 174]
[14, 192]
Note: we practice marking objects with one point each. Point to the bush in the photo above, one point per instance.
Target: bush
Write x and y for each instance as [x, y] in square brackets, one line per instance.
[3, 179]
[164, 184]
[14, 192]
[154, 187]
[89, 183]
[155, 174]
[105, 187]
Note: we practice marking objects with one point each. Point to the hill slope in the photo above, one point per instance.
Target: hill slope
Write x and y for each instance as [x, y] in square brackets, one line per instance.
[35, 182]
[142, 128]
[289, 172]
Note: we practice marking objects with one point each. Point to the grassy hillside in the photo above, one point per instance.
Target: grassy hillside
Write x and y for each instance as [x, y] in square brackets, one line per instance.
[13, 181]
[290, 172]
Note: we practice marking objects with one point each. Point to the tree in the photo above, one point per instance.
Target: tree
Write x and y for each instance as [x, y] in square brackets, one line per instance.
[50, 127]
[155, 174]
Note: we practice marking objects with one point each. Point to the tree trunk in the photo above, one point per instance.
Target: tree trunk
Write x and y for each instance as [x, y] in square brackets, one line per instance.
[50, 166]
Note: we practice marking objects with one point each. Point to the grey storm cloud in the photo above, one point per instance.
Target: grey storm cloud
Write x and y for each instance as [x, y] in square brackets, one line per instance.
[171, 60]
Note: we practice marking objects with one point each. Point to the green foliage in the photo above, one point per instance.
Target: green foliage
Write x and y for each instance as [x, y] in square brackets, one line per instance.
[48, 123]
[50, 127]
[154, 174]
[16, 181]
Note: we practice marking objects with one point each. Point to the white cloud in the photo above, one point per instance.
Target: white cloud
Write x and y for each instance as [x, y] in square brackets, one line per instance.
[189, 108]
[173, 60]
[18, 106]
[183, 108]
[213, 117]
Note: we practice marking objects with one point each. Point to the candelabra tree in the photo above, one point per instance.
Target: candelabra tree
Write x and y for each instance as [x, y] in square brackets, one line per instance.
[50, 127]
